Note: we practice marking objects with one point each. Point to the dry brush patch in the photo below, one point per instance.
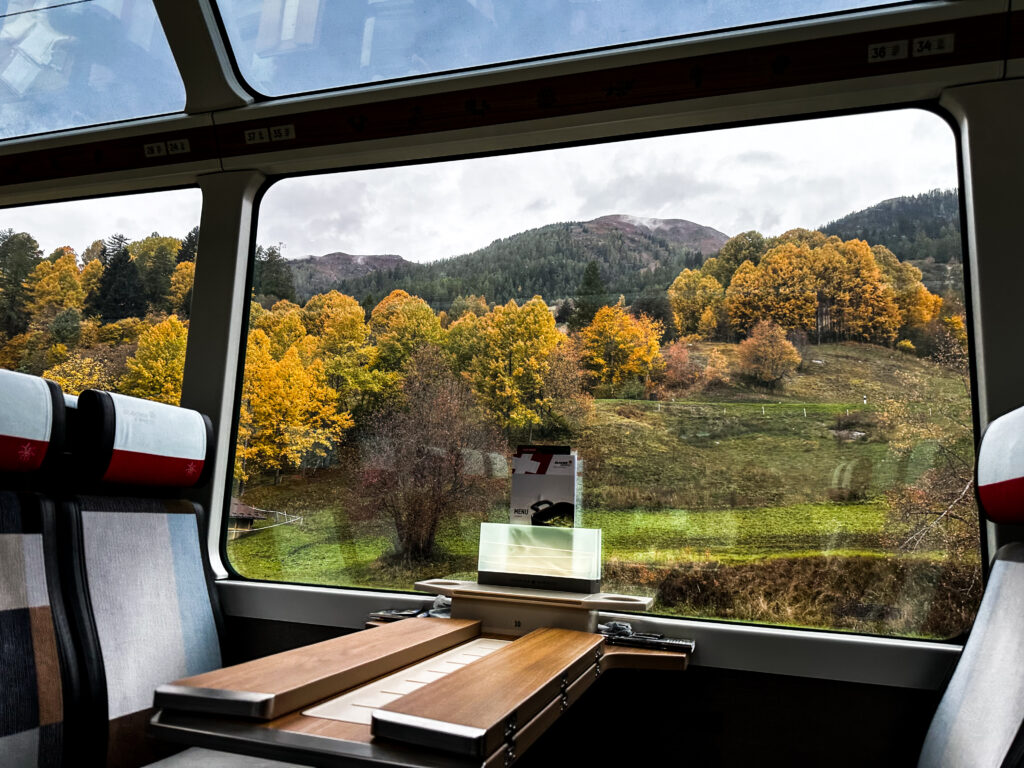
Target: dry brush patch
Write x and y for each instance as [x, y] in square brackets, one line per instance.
[887, 595]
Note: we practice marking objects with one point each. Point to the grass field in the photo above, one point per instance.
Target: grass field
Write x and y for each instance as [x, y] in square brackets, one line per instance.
[734, 504]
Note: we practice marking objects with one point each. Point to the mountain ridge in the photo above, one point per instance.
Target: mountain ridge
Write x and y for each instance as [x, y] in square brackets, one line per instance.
[634, 253]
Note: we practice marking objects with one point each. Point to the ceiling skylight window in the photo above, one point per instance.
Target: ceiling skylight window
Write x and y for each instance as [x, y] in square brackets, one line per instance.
[294, 46]
[72, 64]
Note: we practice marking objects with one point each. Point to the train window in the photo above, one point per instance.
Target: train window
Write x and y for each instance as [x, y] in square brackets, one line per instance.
[293, 46]
[753, 337]
[72, 64]
[94, 296]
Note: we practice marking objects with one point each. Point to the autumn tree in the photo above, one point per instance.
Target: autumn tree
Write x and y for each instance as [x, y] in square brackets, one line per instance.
[918, 307]
[746, 246]
[678, 372]
[510, 367]
[155, 257]
[79, 373]
[462, 341]
[288, 414]
[284, 325]
[617, 348]
[690, 295]
[156, 369]
[95, 251]
[181, 288]
[336, 322]
[476, 305]
[52, 287]
[399, 325]
[766, 356]
[415, 458]
[19, 255]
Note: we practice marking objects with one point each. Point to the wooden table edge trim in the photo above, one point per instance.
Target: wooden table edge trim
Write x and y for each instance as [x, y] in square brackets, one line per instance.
[233, 702]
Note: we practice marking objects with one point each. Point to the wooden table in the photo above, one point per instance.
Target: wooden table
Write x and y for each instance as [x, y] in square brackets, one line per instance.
[485, 713]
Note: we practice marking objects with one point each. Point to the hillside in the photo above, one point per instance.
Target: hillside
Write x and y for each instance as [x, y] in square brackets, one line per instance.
[633, 253]
[318, 274]
[922, 229]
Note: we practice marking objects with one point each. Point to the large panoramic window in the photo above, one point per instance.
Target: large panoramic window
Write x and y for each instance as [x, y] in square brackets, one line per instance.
[292, 46]
[95, 294]
[754, 340]
[73, 64]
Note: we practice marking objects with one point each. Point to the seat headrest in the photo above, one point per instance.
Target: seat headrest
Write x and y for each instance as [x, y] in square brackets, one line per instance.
[121, 439]
[31, 422]
[1001, 469]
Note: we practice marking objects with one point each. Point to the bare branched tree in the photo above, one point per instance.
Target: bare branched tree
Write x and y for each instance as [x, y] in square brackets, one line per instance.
[431, 458]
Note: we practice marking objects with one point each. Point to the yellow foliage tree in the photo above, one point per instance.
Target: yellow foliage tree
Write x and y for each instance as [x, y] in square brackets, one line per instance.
[77, 374]
[288, 414]
[155, 257]
[54, 286]
[181, 287]
[617, 348]
[767, 356]
[510, 362]
[337, 321]
[690, 295]
[820, 284]
[156, 369]
[707, 328]
[283, 325]
[400, 325]
[462, 341]
[918, 307]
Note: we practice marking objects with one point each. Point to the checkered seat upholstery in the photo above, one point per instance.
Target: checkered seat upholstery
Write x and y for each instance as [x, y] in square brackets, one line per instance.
[143, 604]
[37, 664]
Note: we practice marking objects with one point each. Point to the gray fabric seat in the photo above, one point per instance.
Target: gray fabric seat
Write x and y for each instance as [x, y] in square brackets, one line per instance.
[143, 606]
[983, 706]
[980, 720]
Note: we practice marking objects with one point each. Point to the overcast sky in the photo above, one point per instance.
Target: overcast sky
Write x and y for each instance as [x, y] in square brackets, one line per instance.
[770, 178]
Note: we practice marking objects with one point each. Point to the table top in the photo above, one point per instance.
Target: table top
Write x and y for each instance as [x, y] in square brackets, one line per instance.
[480, 695]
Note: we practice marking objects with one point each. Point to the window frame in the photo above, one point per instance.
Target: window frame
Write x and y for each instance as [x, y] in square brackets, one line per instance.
[654, 620]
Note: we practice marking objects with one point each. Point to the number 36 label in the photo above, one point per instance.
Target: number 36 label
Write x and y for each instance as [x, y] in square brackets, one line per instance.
[897, 49]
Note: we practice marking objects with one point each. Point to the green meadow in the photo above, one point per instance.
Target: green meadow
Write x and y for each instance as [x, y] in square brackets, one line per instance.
[739, 504]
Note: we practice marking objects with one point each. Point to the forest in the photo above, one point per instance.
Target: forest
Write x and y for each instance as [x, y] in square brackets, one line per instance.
[794, 375]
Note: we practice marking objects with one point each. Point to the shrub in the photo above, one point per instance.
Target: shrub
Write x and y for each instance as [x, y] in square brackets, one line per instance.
[906, 345]
[679, 372]
[767, 357]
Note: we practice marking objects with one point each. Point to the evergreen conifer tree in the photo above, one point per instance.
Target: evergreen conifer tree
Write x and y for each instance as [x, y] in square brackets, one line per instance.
[189, 246]
[591, 296]
[120, 293]
[19, 255]
[271, 274]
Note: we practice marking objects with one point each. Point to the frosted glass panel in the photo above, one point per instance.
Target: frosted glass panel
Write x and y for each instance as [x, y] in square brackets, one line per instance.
[573, 553]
